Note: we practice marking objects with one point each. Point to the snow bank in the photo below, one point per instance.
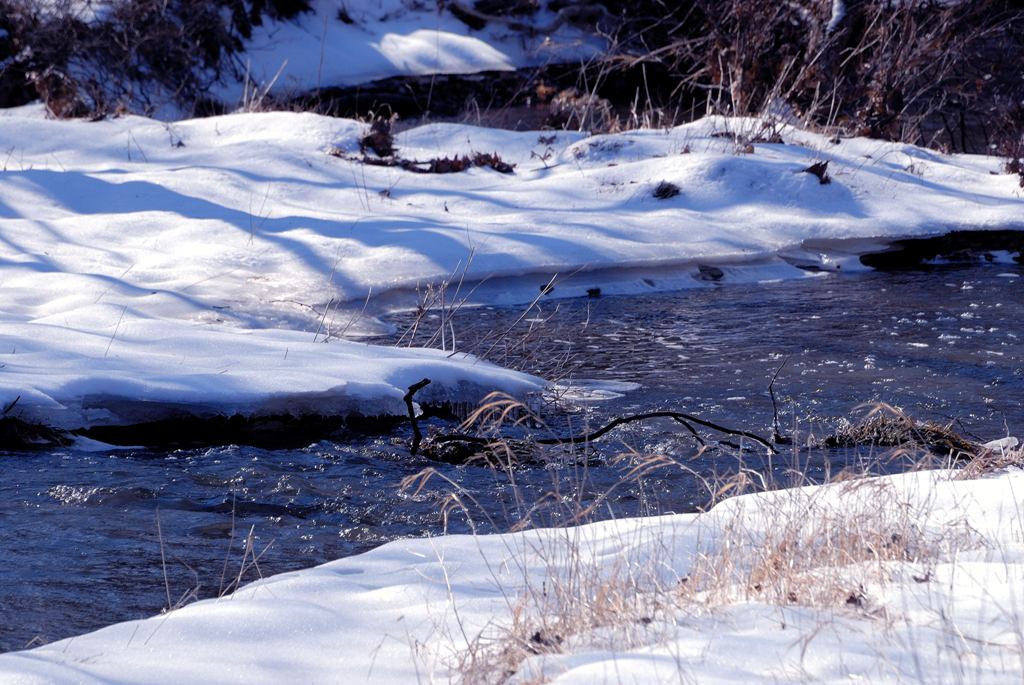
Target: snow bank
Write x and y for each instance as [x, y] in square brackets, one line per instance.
[150, 261]
[406, 611]
[144, 369]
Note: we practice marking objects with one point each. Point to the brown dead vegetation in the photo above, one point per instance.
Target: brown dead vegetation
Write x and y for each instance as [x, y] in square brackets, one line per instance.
[131, 55]
[380, 142]
[835, 548]
[444, 165]
[887, 427]
[820, 171]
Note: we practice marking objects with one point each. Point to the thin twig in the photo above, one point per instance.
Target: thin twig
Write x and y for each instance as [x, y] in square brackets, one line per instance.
[777, 436]
[9, 407]
[417, 436]
[111, 341]
[322, 319]
[231, 543]
[163, 560]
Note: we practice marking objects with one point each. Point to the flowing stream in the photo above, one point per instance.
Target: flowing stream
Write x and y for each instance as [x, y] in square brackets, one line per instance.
[88, 538]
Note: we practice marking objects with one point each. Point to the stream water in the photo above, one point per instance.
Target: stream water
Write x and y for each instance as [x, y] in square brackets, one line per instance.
[92, 537]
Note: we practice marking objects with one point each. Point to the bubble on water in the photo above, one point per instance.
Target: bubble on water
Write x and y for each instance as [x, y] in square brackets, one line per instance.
[72, 494]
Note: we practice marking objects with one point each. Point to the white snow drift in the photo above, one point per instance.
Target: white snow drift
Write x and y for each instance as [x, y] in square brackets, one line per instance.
[142, 260]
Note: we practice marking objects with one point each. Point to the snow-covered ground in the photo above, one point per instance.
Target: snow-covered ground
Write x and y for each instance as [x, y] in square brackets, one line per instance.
[906, 579]
[214, 266]
[148, 266]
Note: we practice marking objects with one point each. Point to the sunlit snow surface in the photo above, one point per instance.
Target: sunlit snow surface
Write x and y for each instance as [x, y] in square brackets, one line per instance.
[387, 38]
[404, 612]
[197, 262]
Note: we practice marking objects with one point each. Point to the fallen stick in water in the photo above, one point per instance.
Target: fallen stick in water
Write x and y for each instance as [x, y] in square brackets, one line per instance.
[686, 420]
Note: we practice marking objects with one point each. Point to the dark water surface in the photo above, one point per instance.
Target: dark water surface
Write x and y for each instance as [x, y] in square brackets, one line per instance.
[80, 545]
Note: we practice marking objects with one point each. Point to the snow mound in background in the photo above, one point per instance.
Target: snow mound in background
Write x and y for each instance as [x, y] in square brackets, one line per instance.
[151, 261]
[389, 38]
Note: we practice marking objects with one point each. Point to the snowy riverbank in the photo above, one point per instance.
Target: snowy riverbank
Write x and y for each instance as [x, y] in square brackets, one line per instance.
[149, 265]
[911, 578]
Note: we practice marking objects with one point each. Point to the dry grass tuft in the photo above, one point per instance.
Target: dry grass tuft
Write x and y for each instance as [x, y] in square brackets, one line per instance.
[579, 602]
[993, 460]
[824, 548]
[834, 548]
[817, 547]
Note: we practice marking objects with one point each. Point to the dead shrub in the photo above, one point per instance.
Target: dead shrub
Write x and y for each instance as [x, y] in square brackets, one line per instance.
[923, 72]
[446, 165]
[134, 55]
[380, 139]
